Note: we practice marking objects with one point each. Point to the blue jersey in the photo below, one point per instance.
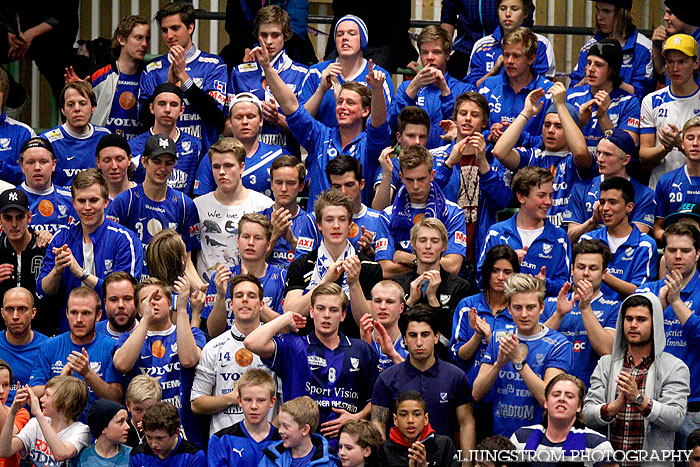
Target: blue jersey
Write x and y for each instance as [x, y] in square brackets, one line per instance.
[551, 249]
[673, 190]
[123, 118]
[115, 248]
[248, 77]
[74, 153]
[443, 385]
[323, 144]
[584, 197]
[326, 111]
[185, 454]
[453, 219]
[13, 134]
[189, 151]
[273, 287]
[342, 378]
[52, 357]
[159, 358]
[683, 341]
[207, 72]
[234, 446]
[384, 361]
[566, 176]
[514, 405]
[488, 49]
[378, 224]
[430, 99]
[635, 261]
[505, 105]
[462, 331]
[494, 188]
[304, 230]
[637, 67]
[623, 112]
[51, 209]
[133, 209]
[22, 358]
[585, 357]
[256, 175]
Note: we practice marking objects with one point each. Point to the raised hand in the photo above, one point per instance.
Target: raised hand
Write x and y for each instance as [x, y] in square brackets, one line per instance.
[375, 78]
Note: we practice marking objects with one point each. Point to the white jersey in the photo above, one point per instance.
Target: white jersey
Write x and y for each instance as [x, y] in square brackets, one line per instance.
[219, 230]
[223, 361]
[661, 108]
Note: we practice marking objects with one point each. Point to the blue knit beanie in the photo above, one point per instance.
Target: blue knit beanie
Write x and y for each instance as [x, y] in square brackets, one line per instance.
[364, 36]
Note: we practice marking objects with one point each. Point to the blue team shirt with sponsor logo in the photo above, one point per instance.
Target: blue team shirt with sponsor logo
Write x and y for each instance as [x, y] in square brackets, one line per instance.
[13, 134]
[674, 189]
[208, 72]
[514, 406]
[341, 378]
[505, 105]
[384, 361]
[326, 111]
[22, 358]
[74, 153]
[634, 261]
[123, 117]
[585, 357]
[52, 209]
[133, 209]
[304, 230]
[248, 77]
[159, 358]
[623, 112]
[566, 176]
[462, 331]
[52, 357]
[273, 287]
[683, 341]
[189, 150]
[585, 195]
[551, 249]
[256, 175]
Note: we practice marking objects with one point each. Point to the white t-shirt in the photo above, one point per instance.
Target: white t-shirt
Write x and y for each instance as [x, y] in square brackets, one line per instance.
[222, 363]
[529, 236]
[661, 108]
[36, 447]
[89, 257]
[219, 230]
[615, 243]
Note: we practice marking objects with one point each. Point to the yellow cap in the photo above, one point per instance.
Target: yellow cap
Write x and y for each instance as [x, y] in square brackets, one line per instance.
[682, 43]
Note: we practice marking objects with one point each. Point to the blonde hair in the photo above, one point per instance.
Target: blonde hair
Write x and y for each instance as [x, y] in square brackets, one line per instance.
[330, 289]
[70, 396]
[331, 198]
[523, 36]
[524, 283]
[257, 377]
[142, 388]
[228, 144]
[414, 156]
[430, 223]
[691, 123]
[303, 410]
[256, 218]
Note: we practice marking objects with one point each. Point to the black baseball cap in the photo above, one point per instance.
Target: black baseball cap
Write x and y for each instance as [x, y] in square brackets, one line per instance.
[113, 140]
[687, 210]
[38, 142]
[160, 144]
[14, 198]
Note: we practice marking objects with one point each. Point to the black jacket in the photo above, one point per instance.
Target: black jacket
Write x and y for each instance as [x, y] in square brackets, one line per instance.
[439, 450]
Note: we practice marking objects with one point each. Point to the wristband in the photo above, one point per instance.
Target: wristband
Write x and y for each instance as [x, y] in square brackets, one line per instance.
[527, 119]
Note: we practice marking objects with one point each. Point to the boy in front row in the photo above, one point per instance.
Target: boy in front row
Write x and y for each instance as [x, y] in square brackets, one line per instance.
[299, 446]
[242, 444]
[413, 441]
[164, 446]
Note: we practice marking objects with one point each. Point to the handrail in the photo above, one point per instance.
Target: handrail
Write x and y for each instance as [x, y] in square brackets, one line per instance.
[421, 23]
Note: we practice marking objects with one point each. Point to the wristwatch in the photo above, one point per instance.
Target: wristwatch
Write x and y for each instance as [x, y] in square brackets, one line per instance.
[639, 399]
[519, 365]
[84, 276]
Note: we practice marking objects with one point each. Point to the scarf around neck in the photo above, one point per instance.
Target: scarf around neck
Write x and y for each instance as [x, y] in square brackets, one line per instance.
[324, 261]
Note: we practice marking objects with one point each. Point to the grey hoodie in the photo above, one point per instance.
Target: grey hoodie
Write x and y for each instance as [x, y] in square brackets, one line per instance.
[667, 384]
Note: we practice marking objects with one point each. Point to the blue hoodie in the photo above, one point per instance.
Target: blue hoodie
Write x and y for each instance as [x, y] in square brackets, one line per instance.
[276, 455]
